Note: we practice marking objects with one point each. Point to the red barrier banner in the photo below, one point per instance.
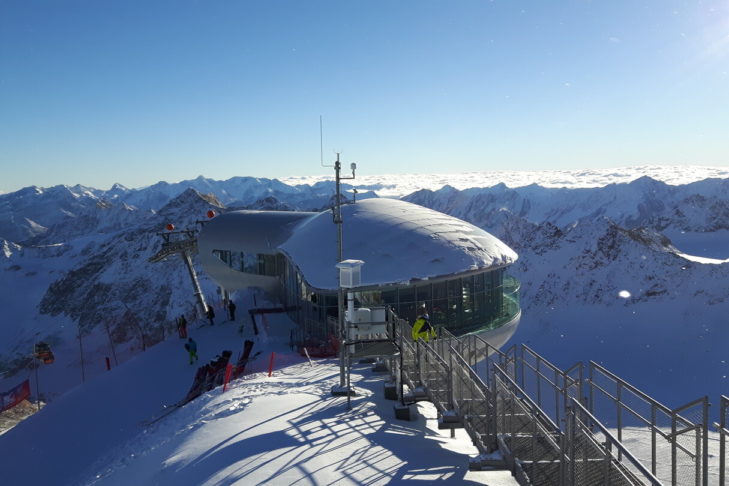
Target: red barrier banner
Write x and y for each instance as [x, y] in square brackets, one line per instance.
[13, 397]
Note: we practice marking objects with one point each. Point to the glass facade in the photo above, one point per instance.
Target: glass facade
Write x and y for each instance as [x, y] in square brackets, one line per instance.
[253, 263]
[476, 302]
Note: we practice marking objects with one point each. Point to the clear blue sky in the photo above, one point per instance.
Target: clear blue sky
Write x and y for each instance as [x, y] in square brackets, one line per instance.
[97, 92]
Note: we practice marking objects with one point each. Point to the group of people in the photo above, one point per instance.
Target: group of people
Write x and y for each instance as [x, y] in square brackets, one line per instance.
[190, 344]
[210, 313]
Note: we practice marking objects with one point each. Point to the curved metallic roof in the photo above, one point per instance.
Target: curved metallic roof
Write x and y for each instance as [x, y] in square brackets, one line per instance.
[250, 231]
[397, 240]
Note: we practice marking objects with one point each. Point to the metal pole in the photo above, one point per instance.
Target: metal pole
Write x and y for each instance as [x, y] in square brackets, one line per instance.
[81, 347]
[722, 443]
[37, 385]
[203, 307]
[674, 472]
[340, 291]
[705, 432]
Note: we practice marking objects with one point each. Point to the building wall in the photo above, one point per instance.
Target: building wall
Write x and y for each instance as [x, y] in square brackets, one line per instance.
[475, 302]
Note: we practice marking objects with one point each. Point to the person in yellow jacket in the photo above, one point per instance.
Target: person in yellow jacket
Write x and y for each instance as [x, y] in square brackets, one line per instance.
[422, 328]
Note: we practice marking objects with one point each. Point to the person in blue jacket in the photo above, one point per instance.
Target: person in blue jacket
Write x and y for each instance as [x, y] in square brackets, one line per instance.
[191, 347]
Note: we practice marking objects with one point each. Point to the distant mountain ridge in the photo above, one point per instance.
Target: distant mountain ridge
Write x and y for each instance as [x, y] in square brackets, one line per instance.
[75, 259]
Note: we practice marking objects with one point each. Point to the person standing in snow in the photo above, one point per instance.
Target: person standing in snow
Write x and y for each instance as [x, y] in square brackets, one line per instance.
[231, 310]
[211, 314]
[421, 327]
[182, 327]
[191, 347]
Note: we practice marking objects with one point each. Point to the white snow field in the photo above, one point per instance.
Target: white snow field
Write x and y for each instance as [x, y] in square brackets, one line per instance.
[283, 429]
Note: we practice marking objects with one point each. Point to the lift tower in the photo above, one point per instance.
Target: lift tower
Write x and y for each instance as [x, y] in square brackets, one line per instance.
[185, 244]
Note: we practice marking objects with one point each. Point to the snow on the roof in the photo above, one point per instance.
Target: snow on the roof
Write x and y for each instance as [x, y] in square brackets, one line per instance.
[397, 240]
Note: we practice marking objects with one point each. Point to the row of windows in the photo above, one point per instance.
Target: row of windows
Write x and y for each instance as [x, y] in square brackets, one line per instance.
[255, 263]
[461, 304]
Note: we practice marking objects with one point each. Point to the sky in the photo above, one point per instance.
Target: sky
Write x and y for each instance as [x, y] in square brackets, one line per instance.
[136, 92]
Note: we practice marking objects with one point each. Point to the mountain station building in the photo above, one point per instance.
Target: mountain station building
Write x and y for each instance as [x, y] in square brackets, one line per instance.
[413, 256]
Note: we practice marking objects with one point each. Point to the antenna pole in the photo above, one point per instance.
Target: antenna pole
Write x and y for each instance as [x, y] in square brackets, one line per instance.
[321, 141]
[340, 290]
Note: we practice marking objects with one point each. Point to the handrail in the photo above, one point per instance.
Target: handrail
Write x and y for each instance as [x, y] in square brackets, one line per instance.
[454, 359]
[532, 404]
[630, 387]
[623, 450]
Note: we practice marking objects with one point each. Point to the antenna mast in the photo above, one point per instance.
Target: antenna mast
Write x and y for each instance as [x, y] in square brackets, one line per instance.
[343, 386]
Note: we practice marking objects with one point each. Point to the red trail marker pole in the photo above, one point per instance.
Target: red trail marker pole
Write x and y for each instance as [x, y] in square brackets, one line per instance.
[228, 372]
[270, 364]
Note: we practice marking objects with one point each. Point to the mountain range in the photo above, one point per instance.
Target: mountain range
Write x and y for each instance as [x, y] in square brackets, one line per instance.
[632, 275]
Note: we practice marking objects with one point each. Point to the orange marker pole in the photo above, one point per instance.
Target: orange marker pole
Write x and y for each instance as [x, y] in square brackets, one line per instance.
[228, 372]
[270, 364]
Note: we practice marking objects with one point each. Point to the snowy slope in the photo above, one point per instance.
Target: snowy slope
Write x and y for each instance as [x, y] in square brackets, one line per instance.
[286, 429]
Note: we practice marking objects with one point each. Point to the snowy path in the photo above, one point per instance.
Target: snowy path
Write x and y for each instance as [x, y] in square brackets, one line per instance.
[286, 429]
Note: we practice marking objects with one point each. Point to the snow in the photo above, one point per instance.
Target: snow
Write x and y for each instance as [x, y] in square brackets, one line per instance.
[593, 288]
[398, 241]
[283, 429]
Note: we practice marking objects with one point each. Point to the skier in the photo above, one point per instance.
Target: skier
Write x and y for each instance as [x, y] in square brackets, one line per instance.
[231, 310]
[182, 327]
[191, 347]
[211, 314]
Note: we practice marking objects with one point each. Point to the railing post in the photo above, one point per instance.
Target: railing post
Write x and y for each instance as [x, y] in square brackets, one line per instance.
[591, 397]
[705, 431]
[619, 406]
[608, 459]
[674, 472]
[724, 409]
[653, 439]
[571, 445]
[451, 391]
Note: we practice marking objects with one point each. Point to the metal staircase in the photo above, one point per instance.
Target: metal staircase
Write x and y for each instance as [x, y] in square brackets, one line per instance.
[547, 423]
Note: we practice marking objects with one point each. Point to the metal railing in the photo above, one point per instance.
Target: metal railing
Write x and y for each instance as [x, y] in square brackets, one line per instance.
[593, 455]
[559, 427]
[678, 437]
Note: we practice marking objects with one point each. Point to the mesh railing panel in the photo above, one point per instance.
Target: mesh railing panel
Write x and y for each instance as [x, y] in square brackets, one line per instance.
[522, 432]
[472, 402]
[591, 461]
[676, 438]
[435, 377]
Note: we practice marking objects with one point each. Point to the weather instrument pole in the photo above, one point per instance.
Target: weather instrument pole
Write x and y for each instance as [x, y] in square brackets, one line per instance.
[340, 291]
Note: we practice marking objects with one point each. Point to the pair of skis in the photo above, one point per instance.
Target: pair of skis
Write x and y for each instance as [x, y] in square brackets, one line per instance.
[243, 361]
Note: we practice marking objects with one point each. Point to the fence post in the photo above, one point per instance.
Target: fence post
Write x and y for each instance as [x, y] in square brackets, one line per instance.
[228, 372]
[270, 363]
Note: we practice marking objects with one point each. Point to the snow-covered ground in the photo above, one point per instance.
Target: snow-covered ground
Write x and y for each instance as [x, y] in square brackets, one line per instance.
[283, 429]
